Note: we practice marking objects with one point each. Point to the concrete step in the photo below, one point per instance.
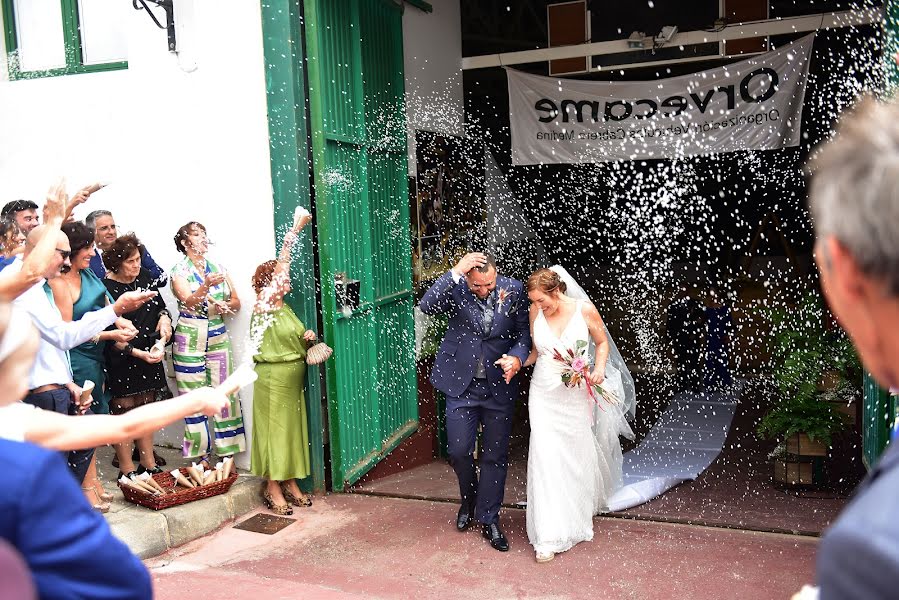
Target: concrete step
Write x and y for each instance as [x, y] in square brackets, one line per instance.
[150, 533]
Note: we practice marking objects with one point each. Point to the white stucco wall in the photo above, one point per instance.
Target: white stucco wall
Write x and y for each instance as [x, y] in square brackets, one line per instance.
[432, 53]
[176, 146]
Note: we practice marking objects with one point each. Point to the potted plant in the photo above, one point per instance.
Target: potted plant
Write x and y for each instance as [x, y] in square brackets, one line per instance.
[807, 352]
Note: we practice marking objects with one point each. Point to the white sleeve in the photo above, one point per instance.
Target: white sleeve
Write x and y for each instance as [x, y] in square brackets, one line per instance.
[64, 335]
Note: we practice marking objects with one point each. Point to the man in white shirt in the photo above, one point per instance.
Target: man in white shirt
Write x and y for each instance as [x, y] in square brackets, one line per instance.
[50, 380]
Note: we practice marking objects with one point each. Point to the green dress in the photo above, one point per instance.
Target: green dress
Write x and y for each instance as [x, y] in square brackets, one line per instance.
[87, 359]
[280, 446]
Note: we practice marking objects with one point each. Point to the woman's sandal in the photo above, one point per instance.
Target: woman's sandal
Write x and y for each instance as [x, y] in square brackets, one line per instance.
[545, 557]
[102, 493]
[288, 495]
[102, 507]
[278, 509]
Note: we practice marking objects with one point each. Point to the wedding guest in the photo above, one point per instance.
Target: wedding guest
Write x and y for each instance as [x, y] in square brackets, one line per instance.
[718, 323]
[136, 376]
[68, 547]
[11, 242]
[856, 216]
[78, 292]
[280, 442]
[202, 348]
[21, 422]
[50, 382]
[23, 213]
[15, 282]
[105, 233]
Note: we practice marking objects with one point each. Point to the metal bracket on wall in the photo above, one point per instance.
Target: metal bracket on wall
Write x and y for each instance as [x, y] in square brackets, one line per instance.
[169, 17]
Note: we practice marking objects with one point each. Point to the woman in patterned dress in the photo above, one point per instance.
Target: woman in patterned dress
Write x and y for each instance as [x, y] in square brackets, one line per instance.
[202, 349]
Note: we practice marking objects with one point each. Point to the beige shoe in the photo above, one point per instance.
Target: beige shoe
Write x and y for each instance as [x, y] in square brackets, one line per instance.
[544, 557]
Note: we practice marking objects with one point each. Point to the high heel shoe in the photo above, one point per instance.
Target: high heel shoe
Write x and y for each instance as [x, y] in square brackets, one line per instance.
[151, 470]
[102, 494]
[278, 509]
[102, 507]
[288, 495]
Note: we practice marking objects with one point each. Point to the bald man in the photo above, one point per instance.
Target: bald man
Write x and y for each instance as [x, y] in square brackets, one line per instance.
[50, 381]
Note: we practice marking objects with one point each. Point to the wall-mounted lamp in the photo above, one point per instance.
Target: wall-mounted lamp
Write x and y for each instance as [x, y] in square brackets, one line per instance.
[169, 17]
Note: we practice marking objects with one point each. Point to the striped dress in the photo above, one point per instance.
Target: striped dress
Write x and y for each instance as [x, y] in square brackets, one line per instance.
[201, 353]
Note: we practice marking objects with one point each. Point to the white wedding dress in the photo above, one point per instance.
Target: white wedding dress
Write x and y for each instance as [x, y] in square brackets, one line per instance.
[574, 457]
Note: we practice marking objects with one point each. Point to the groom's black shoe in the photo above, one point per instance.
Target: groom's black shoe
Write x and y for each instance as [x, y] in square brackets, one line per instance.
[493, 533]
[464, 518]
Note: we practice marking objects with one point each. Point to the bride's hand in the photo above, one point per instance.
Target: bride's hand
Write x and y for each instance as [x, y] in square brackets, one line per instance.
[596, 377]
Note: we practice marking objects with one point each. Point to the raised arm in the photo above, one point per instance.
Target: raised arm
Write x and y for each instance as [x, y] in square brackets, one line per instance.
[64, 432]
[275, 290]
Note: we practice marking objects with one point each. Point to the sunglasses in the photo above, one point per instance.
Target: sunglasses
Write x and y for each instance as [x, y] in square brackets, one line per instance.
[65, 254]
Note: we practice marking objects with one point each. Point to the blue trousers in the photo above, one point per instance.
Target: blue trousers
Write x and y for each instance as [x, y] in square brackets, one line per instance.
[61, 401]
[474, 407]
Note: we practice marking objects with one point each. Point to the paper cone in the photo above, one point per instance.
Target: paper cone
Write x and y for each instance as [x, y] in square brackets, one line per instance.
[219, 472]
[148, 479]
[182, 480]
[208, 477]
[144, 486]
[228, 465]
[195, 473]
[86, 389]
[125, 481]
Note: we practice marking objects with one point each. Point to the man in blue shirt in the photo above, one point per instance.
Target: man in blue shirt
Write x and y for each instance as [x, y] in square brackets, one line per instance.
[66, 544]
[856, 215]
[105, 233]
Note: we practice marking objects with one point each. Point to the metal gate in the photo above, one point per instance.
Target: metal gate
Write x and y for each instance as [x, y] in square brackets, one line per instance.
[356, 87]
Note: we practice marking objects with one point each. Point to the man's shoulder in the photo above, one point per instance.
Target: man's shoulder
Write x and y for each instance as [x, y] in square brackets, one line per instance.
[871, 512]
[509, 282]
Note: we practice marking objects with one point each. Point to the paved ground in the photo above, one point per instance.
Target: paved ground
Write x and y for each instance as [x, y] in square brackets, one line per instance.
[353, 546]
[735, 491]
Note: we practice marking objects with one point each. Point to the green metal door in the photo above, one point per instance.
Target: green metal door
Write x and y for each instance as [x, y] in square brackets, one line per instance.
[356, 92]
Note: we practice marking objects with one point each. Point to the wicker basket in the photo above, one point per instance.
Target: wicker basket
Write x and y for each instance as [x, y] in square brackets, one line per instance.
[176, 494]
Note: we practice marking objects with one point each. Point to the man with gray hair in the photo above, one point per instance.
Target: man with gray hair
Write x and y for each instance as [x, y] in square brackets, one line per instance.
[854, 200]
[105, 233]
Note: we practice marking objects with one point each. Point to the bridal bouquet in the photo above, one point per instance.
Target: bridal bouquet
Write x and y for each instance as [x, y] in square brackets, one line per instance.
[575, 368]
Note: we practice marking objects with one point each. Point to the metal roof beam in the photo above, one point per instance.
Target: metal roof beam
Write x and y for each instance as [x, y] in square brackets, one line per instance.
[737, 31]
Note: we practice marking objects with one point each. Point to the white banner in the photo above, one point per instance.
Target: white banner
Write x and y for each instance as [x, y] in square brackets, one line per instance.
[754, 104]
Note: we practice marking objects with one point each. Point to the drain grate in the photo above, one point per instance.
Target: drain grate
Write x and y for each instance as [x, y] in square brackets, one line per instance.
[262, 523]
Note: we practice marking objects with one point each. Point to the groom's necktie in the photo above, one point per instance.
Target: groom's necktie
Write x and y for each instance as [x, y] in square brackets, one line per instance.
[487, 308]
[486, 305]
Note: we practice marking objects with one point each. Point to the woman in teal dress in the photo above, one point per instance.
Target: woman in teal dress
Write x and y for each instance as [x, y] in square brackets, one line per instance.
[280, 441]
[76, 293]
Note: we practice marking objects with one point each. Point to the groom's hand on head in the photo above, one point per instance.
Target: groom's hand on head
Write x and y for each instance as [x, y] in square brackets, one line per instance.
[469, 262]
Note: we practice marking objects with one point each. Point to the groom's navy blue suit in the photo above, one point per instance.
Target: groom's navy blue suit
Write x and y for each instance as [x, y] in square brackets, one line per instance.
[473, 400]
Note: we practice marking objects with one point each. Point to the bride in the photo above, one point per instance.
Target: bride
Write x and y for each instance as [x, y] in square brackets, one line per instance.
[574, 458]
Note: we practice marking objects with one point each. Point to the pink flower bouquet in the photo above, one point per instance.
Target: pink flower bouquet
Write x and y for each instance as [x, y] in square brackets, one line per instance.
[575, 368]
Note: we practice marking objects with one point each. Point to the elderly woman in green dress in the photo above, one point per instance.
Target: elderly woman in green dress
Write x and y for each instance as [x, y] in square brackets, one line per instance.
[280, 441]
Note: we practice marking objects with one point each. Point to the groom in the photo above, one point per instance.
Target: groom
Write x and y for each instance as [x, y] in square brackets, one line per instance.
[488, 323]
